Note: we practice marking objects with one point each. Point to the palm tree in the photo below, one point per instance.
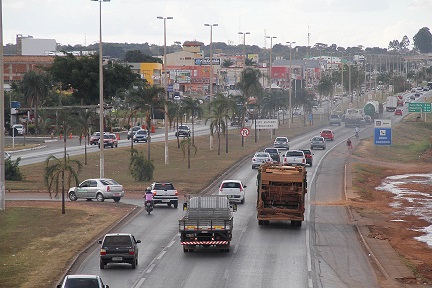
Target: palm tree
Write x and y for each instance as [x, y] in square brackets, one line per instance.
[146, 98]
[217, 124]
[84, 120]
[192, 107]
[35, 87]
[249, 85]
[56, 170]
[230, 107]
[187, 143]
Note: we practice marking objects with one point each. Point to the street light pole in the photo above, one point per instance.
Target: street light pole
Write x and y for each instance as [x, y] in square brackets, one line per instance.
[244, 47]
[211, 59]
[211, 72]
[290, 89]
[166, 89]
[101, 100]
[271, 49]
[2, 162]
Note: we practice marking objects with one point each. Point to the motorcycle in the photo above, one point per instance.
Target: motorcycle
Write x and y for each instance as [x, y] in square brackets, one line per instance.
[148, 206]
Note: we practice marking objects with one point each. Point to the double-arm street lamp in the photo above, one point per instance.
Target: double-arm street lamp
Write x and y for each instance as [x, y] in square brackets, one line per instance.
[290, 89]
[101, 100]
[166, 89]
[244, 47]
[271, 49]
[211, 59]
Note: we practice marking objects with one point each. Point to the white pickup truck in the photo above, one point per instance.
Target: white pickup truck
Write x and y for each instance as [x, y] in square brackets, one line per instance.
[164, 193]
[294, 158]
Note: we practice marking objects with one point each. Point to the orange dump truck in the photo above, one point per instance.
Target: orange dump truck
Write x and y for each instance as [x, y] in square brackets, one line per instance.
[281, 194]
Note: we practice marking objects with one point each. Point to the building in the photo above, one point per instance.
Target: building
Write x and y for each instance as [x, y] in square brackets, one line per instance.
[15, 66]
[34, 47]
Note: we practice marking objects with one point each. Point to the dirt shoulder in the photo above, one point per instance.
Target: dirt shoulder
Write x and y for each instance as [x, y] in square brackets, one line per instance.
[385, 214]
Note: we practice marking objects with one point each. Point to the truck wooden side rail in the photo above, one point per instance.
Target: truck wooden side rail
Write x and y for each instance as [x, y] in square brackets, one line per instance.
[207, 221]
[281, 194]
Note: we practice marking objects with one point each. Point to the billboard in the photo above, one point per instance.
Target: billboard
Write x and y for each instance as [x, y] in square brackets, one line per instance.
[206, 61]
[180, 76]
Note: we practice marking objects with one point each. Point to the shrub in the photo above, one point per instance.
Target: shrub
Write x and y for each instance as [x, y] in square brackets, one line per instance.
[140, 167]
[12, 171]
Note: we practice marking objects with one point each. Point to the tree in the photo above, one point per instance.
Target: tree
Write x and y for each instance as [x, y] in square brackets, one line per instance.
[82, 74]
[137, 56]
[227, 63]
[192, 107]
[325, 86]
[57, 171]
[249, 85]
[85, 119]
[145, 98]
[188, 143]
[217, 121]
[34, 86]
[423, 40]
[230, 107]
[140, 168]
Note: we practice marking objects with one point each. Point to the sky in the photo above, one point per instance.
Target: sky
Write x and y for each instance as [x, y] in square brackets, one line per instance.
[346, 23]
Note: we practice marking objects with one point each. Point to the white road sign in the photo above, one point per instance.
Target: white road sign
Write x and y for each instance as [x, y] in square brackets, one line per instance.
[267, 123]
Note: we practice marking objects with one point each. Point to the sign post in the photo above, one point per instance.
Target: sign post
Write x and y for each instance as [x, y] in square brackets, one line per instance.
[383, 132]
[244, 132]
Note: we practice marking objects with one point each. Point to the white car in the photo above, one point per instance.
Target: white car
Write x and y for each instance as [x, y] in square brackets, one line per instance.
[294, 158]
[82, 281]
[260, 158]
[234, 189]
[97, 188]
[20, 128]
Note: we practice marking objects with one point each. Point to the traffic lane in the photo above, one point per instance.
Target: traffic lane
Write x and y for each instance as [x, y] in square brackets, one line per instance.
[259, 255]
[157, 231]
[339, 259]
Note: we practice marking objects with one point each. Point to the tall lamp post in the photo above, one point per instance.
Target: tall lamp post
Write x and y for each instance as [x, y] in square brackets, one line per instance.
[211, 59]
[271, 49]
[211, 71]
[244, 47]
[166, 89]
[101, 100]
[244, 67]
[2, 163]
[290, 89]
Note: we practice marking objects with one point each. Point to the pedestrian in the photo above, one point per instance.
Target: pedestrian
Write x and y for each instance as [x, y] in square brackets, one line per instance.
[349, 145]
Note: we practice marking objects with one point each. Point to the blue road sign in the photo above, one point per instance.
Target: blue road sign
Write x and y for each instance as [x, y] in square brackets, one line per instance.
[383, 136]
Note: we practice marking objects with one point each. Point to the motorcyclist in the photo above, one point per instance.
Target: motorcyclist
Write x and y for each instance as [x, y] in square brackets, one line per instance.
[357, 131]
[148, 196]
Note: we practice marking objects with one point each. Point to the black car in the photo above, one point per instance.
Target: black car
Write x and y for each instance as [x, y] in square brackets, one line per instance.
[183, 131]
[274, 154]
[119, 248]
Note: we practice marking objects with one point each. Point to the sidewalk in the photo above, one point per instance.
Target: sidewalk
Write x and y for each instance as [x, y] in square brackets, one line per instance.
[385, 257]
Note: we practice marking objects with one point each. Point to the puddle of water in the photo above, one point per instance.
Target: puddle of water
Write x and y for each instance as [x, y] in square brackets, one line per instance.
[411, 202]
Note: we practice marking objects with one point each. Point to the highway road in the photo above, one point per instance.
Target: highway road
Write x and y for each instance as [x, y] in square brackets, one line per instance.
[324, 252]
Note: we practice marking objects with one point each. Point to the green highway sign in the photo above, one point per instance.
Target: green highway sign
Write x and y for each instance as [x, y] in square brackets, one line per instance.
[419, 107]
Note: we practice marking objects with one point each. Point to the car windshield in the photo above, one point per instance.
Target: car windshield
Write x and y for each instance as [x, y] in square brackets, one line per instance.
[142, 132]
[96, 134]
[82, 283]
[261, 155]
[183, 128]
[231, 185]
[316, 139]
[280, 139]
[326, 131]
[271, 150]
[294, 153]
[163, 186]
[108, 182]
[306, 151]
[118, 240]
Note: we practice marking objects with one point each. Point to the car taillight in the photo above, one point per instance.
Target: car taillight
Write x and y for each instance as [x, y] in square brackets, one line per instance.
[220, 188]
[303, 160]
[154, 192]
[131, 251]
[102, 252]
[108, 188]
[176, 193]
[241, 189]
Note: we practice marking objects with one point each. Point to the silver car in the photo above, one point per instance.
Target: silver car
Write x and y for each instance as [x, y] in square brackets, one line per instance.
[97, 188]
[281, 142]
[317, 142]
[260, 158]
